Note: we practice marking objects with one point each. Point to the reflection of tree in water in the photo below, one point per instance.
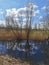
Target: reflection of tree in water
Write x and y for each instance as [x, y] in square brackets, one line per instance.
[46, 51]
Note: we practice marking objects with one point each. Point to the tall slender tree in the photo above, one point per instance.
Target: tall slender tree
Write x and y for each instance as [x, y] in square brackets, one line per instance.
[29, 12]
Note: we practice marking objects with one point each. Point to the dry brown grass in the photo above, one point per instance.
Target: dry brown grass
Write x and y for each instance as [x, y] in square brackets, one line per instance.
[34, 34]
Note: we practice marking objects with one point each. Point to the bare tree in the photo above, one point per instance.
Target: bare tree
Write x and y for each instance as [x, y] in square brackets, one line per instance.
[12, 24]
[21, 23]
[29, 12]
[28, 19]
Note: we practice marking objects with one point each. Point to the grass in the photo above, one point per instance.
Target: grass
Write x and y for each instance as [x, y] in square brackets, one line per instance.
[34, 34]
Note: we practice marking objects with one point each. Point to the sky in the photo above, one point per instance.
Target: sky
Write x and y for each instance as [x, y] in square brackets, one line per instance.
[10, 7]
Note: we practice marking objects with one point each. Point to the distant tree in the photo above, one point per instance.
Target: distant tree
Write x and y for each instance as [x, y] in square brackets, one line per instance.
[47, 25]
[35, 26]
[46, 16]
[46, 48]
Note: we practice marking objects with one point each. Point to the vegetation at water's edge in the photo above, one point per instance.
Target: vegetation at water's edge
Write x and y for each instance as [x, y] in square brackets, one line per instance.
[8, 34]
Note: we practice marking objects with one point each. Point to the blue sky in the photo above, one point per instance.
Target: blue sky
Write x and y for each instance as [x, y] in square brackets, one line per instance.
[9, 4]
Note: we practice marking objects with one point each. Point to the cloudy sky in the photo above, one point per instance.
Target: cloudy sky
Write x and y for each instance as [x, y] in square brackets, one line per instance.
[10, 7]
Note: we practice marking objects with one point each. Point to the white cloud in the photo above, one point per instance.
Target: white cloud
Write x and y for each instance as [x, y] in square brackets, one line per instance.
[44, 7]
[1, 11]
[40, 17]
[16, 13]
[35, 6]
[10, 12]
[21, 9]
[36, 12]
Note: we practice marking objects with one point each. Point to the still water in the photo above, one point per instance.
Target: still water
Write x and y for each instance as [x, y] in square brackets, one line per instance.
[34, 53]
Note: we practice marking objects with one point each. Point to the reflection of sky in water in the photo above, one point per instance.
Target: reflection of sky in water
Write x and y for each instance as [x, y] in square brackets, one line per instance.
[35, 49]
[2, 48]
